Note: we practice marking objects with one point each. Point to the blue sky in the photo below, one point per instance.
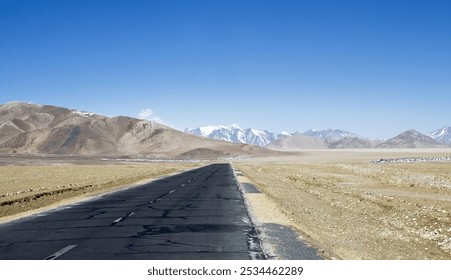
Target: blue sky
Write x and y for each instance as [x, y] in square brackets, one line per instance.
[376, 68]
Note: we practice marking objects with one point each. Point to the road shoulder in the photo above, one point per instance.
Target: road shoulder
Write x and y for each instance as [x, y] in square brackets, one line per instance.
[280, 240]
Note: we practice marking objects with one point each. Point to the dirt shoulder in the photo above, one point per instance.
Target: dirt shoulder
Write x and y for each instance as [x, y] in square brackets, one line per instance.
[277, 231]
[362, 210]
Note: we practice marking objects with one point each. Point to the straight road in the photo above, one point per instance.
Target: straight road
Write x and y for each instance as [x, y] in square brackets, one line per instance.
[199, 214]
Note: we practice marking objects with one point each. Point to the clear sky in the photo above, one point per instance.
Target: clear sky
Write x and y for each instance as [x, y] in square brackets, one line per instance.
[375, 68]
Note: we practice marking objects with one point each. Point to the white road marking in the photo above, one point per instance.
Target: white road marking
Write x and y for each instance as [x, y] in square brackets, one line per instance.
[123, 218]
[60, 252]
[189, 181]
[41, 215]
[158, 199]
[182, 185]
[173, 191]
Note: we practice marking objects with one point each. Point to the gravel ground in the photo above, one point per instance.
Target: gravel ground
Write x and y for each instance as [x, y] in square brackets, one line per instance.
[363, 210]
[280, 239]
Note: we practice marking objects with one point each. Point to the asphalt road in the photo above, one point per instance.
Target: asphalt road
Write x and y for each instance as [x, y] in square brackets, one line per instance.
[199, 214]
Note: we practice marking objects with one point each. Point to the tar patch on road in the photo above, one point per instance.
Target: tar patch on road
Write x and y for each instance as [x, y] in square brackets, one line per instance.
[249, 188]
[287, 244]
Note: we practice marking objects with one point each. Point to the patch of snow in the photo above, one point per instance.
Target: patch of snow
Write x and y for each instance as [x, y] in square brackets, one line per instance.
[442, 135]
[207, 130]
[83, 113]
[234, 126]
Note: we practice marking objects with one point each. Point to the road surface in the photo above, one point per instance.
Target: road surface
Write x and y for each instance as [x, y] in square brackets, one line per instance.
[199, 214]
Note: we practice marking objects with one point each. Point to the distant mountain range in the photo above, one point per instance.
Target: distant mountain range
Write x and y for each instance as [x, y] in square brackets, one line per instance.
[44, 129]
[313, 139]
[236, 134]
[330, 135]
[322, 139]
[298, 141]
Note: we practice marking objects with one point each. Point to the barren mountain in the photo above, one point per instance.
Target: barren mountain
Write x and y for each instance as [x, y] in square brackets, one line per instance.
[330, 135]
[351, 143]
[410, 139]
[32, 128]
[298, 141]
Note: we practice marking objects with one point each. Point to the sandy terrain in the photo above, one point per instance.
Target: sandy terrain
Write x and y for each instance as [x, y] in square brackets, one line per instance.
[350, 208]
[26, 188]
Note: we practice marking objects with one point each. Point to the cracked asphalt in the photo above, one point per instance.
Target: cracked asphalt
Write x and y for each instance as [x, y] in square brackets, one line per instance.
[198, 214]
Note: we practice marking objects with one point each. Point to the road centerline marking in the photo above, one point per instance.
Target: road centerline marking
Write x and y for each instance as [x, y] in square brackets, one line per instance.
[60, 252]
[123, 218]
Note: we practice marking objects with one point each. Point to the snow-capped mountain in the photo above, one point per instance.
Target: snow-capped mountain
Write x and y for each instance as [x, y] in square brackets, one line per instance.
[235, 134]
[330, 135]
[442, 135]
[283, 134]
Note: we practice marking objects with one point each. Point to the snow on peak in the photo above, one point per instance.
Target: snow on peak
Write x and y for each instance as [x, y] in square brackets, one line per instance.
[442, 135]
[83, 113]
[207, 130]
[234, 133]
[234, 126]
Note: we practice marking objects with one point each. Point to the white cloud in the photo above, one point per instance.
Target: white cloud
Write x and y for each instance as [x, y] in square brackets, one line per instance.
[145, 113]
[148, 114]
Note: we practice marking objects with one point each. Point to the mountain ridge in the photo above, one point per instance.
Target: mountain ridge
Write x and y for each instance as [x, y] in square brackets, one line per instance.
[330, 135]
[34, 128]
[325, 139]
[235, 134]
[410, 139]
[46, 129]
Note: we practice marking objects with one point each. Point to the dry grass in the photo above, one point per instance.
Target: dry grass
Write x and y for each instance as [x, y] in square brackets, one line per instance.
[24, 188]
[363, 210]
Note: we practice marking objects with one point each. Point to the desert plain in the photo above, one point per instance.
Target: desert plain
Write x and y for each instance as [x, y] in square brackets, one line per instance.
[339, 201]
[351, 208]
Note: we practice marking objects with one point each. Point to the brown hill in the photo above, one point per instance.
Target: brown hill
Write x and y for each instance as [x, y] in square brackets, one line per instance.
[297, 141]
[351, 143]
[32, 128]
[410, 139]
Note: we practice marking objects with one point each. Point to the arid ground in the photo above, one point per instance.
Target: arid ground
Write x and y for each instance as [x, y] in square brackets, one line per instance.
[350, 208]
